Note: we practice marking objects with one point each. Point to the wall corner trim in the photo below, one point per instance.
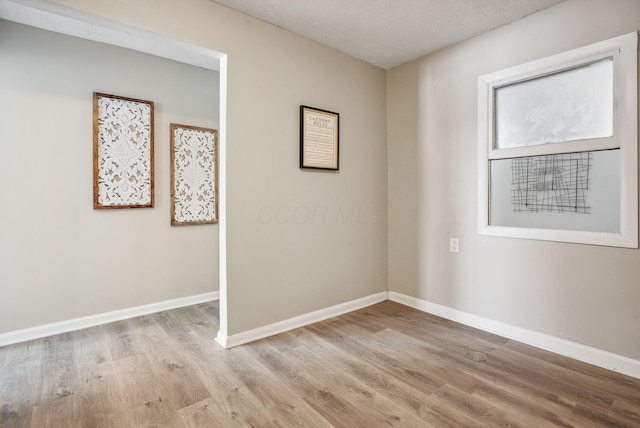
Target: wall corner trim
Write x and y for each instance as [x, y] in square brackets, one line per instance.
[222, 339]
[229, 341]
[104, 318]
[586, 354]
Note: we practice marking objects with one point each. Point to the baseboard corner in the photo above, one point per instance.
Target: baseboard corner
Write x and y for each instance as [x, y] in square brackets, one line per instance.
[252, 335]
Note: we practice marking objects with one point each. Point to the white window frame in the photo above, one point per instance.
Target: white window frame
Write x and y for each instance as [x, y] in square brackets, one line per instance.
[623, 51]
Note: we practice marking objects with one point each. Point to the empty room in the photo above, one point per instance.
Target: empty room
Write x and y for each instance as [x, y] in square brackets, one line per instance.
[278, 213]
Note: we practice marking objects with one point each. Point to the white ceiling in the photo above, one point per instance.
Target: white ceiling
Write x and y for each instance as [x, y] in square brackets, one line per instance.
[387, 33]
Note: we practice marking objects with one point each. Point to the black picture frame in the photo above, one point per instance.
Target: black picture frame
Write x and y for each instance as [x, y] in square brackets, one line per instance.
[319, 138]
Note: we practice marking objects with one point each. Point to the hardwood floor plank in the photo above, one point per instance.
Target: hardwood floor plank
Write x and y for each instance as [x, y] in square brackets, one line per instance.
[142, 391]
[413, 354]
[309, 385]
[449, 329]
[385, 365]
[620, 385]
[59, 369]
[20, 353]
[385, 411]
[99, 402]
[181, 388]
[574, 365]
[538, 412]
[627, 408]
[281, 402]
[204, 414]
[382, 381]
[129, 337]
[90, 349]
[15, 414]
[56, 413]
[233, 403]
[453, 353]
[429, 407]
[587, 416]
[340, 384]
[415, 402]
[20, 391]
[467, 379]
[425, 382]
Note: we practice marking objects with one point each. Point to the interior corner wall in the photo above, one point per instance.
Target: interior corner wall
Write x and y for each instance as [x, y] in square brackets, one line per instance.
[585, 294]
[59, 258]
[297, 240]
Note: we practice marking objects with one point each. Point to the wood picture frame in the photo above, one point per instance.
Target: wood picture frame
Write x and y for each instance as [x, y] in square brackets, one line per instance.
[319, 138]
[122, 152]
[194, 175]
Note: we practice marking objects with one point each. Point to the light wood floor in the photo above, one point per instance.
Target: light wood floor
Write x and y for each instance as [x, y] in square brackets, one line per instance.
[387, 365]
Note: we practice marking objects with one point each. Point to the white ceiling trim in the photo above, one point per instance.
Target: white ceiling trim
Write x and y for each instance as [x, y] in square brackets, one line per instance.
[53, 17]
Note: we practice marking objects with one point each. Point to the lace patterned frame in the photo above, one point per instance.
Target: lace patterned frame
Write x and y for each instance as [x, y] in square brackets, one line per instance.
[194, 175]
[122, 152]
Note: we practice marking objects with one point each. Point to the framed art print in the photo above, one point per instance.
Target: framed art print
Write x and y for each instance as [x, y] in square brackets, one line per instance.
[319, 132]
[194, 175]
[122, 152]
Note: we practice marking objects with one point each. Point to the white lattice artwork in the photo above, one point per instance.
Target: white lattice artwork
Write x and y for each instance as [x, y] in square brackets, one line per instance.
[123, 152]
[194, 175]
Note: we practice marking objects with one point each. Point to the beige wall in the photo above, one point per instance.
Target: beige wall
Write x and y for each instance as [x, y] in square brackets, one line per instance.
[586, 294]
[299, 241]
[328, 242]
[60, 259]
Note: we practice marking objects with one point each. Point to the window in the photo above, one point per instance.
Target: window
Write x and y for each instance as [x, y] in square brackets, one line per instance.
[557, 154]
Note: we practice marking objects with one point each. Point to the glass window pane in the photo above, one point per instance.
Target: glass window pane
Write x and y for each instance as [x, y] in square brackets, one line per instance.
[576, 104]
[573, 191]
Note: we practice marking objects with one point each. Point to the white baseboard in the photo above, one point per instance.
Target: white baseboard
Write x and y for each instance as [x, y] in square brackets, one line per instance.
[587, 354]
[299, 321]
[104, 318]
